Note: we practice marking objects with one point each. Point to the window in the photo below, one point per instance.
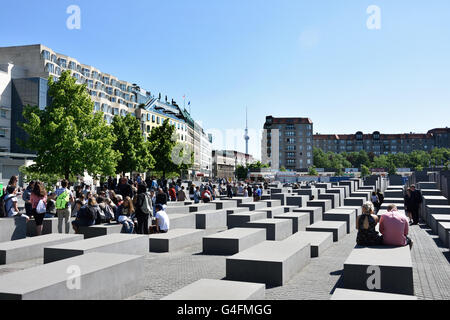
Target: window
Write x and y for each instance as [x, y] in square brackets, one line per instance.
[290, 155]
[3, 114]
[97, 106]
[2, 133]
[72, 65]
[153, 118]
[49, 67]
[290, 140]
[45, 55]
[157, 120]
[62, 63]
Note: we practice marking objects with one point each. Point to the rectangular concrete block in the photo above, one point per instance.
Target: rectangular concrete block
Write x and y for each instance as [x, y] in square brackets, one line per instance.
[277, 229]
[272, 263]
[49, 226]
[340, 193]
[182, 221]
[348, 216]
[443, 230]
[357, 209]
[394, 201]
[31, 248]
[431, 192]
[338, 228]
[436, 218]
[431, 201]
[354, 201]
[300, 220]
[13, 229]
[103, 276]
[272, 203]
[100, 230]
[334, 197]
[224, 204]
[219, 290]
[112, 243]
[175, 239]
[315, 213]
[279, 196]
[426, 185]
[238, 200]
[385, 206]
[254, 206]
[273, 211]
[393, 194]
[299, 201]
[211, 219]
[319, 241]
[360, 295]
[324, 204]
[395, 269]
[237, 210]
[307, 192]
[238, 220]
[202, 207]
[178, 210]
[233, 241]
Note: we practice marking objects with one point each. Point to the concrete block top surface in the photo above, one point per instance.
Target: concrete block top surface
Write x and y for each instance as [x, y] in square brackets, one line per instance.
[32, 279]
[437, 217]
[381, 256]
[206, 289]
[435, 198]
[175, 233]
[97, 241]
[442, 206]
[235, 233]
[348, 294]
[274, 251]
[36, 240]
[269, 221]
[328, 224]
[445, 225]
[341, 210]
[311, 237]
[291, 215]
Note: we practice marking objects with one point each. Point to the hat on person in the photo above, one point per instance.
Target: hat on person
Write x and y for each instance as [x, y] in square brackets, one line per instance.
[119, 197]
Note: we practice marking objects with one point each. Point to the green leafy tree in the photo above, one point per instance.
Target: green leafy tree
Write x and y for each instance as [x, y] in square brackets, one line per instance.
[365, 171]
[67, 136]
[283, 169]
[130, 143]
[241, 172]
[312, 171]
[170, 156]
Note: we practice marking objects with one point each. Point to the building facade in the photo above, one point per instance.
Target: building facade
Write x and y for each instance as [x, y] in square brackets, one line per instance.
[379, 144]
[288, 143]
[224, 163]
[24, 73]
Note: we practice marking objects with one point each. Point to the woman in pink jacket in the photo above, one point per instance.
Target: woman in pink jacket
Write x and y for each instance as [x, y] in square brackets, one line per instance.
[39, 193]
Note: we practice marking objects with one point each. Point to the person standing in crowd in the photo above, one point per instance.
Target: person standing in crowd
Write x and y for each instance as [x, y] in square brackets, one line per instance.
[380, 196]
[162, 221]
[197, 195]
[64, 200]
[206, 196]
[407, 202]
[38, 200]
[125, 189]
[250, 190]
[229, 191]
[26, 197]
[172, 193]
[181, 194]
[395, 228]
[365, 224]
[376, 202]
[416, 201]
[51, 207]
[144, 208]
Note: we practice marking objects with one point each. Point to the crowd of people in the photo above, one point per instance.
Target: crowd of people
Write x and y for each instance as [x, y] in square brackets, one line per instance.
[135, 203]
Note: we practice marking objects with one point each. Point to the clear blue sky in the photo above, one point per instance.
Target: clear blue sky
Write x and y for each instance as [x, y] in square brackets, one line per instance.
[290, 58]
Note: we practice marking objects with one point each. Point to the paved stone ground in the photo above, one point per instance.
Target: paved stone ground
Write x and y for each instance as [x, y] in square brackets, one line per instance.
[168, 272]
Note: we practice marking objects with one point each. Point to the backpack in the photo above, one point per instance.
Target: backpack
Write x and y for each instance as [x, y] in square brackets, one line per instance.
[147, 205]
[62, 200]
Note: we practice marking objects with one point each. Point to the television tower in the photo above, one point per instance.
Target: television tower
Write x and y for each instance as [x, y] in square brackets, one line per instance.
[246, 137]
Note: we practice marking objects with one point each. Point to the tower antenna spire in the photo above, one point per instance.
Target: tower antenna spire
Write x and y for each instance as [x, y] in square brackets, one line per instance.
[246, 137]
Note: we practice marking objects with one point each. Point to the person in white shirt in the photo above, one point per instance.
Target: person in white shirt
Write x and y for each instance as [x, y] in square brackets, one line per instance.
[162, 221]
[11, 203]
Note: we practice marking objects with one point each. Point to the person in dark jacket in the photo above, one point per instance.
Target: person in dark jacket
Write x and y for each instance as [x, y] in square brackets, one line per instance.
[407, 199]
[161, 197]
[416, 201]
[125, 189]
[142, 216]
[87, 215]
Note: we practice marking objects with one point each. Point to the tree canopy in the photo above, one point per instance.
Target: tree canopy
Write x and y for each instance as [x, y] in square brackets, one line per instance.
[67, 136]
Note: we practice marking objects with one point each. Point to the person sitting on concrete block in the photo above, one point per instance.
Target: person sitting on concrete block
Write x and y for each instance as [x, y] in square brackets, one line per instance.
[162, 221]
[394, 227]
[366, 223]
[87, 215]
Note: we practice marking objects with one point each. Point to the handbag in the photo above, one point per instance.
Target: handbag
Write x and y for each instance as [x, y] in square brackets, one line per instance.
[41, 207]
